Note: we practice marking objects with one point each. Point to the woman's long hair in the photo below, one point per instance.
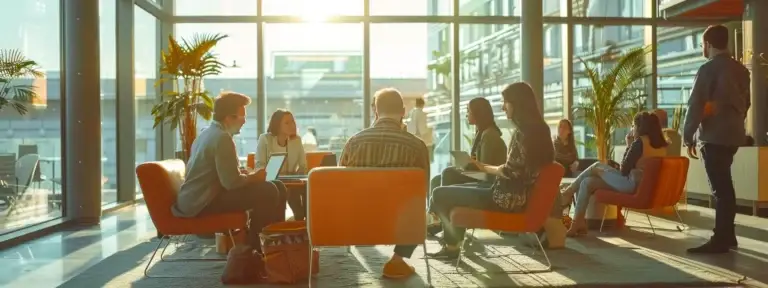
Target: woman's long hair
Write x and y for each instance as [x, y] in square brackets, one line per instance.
[481, 110]
[570, 141]
[529, 121]
[483, 114]
[648, 124]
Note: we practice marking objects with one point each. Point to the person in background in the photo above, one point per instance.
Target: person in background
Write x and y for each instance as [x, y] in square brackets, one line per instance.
[281, 137]
[565, 148]
[487, 147]
[649, 142]
[214, 183]
[673, 136]
[309, 140]
[385, 144]
[717, 109]
[530, 149]
[418, 124]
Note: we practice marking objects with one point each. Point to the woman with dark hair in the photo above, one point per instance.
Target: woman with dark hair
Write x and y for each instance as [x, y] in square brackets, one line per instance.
[565, 147]
[648, 142]
[530, 149]
[487, 147]
[281, 137]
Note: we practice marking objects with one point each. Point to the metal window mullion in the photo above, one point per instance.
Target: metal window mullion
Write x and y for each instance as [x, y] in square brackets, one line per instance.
[366, 66]
[261, 91]
[125, 98]
[165, 141]
[455, 84]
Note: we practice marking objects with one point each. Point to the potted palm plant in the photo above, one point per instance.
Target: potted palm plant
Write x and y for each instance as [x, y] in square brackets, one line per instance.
[184, 65]
[15, 66]
[606, 104]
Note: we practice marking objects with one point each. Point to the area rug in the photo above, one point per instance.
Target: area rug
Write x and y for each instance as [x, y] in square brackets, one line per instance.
[587, 263]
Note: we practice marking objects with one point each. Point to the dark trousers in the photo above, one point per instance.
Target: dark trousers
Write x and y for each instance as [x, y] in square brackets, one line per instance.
[264, 202]
[297, 200]
[717, 162]
[445, 198]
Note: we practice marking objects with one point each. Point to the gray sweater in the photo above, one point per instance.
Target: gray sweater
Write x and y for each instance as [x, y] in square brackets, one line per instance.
[213, 168]
[723, 83]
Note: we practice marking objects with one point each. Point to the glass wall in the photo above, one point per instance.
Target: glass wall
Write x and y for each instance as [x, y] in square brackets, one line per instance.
[490, 58]
[146, 51]
[679, 56]
[401, 56]
[317, 74]
[30, 125]
[238, 53]
[108, 69]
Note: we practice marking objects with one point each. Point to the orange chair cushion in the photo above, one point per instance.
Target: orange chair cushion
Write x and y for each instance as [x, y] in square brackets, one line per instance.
[662, 184]
[366, 206]
[315, 158]
[538, 208]
[160, 182]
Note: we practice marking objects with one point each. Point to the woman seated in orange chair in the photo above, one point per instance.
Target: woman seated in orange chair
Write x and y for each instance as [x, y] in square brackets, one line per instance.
[530, 149]
[648, 141]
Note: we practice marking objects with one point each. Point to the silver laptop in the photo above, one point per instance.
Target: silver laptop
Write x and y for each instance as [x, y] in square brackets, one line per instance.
[274, 165]
[462, 160]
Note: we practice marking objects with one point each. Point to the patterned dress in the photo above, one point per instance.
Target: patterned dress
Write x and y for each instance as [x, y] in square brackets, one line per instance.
[524, 160]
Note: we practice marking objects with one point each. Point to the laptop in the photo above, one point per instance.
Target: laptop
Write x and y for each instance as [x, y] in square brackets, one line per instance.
[274, 165]
[462, 160]
[328, 160]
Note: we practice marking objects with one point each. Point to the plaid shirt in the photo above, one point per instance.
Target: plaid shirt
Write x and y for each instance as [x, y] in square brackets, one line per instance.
[385, 145]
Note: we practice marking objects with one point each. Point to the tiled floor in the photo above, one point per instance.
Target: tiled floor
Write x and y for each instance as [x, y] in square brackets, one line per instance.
[53, 260]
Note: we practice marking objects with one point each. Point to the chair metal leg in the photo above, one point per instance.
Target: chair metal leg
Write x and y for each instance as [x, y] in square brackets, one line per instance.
[149, 262]
[426, 261]
[680, 218]
[605, 210]
[526, 271]
[650, 223]
[461, 251]
[626, 214]
[309, 276]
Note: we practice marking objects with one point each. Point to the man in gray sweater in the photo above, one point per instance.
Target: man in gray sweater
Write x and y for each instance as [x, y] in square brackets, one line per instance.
[717, 109]
[215, 184]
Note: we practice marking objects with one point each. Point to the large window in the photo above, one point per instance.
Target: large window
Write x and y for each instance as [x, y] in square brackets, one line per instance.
[488, 62]
[601, 48]
[679, 57]
[215, 7]
[238, 53]
[553, 70]
[316, 73]
[610, 8]
[146, 56]
[411, 8]
[313, 10]
[30, 144]
[402, 56]
[108, 69]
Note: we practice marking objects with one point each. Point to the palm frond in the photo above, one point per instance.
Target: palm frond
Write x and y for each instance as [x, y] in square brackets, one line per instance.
[607, 103]
[14, 66]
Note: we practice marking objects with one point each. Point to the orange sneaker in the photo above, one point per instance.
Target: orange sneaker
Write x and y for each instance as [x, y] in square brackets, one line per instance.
[398, 269]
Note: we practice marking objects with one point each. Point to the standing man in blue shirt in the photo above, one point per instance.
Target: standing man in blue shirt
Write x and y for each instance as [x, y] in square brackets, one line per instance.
[717, 109]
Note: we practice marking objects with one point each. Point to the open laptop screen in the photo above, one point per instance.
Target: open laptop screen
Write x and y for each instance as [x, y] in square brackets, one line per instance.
[274, 165]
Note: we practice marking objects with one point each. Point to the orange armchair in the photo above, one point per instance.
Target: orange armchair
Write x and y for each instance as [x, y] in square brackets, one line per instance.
[315, 158]
[160, 182]
[341, 199]
[662, 184]
[531, 221]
